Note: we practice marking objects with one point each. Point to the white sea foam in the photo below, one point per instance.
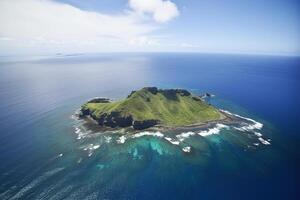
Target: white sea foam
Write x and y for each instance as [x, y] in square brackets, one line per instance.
[107, 139]
[96, 146]
[257, 134]
[213, 131]
[250, 127]
[147, 133]
[75, 115]
[121, 139]
[186, 149]
[78, 137]
[172, 141]
[255, 125]
[77, 130]
[263, 141]
[90, 148]
[80, 133]
[181, 137]
[239, 129]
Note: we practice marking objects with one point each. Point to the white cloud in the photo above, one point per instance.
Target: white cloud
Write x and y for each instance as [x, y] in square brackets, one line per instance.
[161, 10]
[46, 24]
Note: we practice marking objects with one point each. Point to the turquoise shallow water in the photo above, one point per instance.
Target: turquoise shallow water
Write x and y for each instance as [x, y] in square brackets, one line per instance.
[42, 157]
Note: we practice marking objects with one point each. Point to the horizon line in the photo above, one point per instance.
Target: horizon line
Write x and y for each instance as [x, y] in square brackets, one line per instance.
[145, 52]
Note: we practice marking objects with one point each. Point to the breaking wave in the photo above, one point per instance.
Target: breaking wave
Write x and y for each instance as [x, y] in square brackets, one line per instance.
[147, 133]
[213, 131]
[250, 128]
[121, 139]
[247, 125]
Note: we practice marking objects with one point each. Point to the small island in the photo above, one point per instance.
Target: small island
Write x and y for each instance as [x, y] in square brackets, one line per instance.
[152, 107]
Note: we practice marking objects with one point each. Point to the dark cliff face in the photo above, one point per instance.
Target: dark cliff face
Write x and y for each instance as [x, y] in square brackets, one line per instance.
[114, 119]
[139, 125]
[99, 100]
[84, 112]
[183, 92]
[172, 93]
[155, 90]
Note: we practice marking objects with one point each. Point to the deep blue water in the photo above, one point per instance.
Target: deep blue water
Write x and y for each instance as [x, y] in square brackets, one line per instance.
[38, 98]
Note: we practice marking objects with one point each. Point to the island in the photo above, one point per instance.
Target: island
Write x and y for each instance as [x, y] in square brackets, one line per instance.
[150, 107]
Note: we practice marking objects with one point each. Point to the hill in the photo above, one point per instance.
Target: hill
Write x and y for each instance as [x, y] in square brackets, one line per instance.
[150, 106]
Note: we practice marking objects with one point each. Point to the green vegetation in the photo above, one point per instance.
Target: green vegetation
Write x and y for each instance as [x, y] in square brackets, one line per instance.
[167, 107]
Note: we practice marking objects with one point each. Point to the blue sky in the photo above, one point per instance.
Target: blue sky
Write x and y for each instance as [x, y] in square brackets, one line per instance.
[89, 26]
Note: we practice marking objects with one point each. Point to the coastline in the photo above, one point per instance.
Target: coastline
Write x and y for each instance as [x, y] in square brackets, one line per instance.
[226, 119]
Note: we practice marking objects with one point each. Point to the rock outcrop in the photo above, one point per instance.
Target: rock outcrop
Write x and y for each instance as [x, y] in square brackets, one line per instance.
[99, 100]
[139, 125]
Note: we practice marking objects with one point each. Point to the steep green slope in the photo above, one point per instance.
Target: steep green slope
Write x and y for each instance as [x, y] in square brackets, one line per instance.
[150, 106]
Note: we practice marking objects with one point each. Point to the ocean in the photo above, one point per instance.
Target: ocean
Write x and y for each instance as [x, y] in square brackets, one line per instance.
[46, 152]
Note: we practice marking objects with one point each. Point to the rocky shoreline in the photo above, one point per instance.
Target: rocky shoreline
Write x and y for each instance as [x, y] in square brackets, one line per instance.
[93, 124]
[226, 120]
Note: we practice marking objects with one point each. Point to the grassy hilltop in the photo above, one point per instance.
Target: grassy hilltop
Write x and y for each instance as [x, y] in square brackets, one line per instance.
[150, 106]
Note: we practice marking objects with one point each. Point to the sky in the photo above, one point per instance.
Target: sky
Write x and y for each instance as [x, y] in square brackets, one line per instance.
[42, 27]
